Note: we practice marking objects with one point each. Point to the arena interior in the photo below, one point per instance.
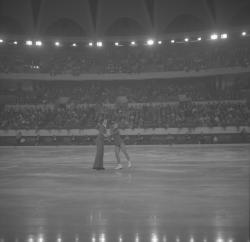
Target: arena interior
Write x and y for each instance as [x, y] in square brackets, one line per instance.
[176, 76]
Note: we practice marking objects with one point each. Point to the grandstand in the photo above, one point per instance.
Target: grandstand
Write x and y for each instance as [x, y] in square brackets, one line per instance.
[175, 74]
[168, 86]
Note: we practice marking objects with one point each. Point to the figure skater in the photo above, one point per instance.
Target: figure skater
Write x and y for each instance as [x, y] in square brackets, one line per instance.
[102, 132]
[119, 146]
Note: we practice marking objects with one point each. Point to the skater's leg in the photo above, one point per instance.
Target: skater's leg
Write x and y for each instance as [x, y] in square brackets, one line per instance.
[124, 150]
[117, 154]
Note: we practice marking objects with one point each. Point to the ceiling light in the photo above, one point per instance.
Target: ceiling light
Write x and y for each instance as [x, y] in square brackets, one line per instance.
[29, 42]
[214, 37]
[150, 42]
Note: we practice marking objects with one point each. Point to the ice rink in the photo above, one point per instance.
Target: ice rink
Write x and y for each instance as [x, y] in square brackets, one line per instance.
[173, 193]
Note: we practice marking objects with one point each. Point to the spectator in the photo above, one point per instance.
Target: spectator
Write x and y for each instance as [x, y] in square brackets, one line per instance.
[189, 115]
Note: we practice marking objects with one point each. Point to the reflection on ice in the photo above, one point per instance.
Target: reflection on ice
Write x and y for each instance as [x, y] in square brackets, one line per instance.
[137, 238]
[102, 237]
[191, 239]
[164, 238]
[40, 238]
[30, 238]
[154, 237]
[93, 238]
[120, 238]
[219, 239]
[59, 238]
[77, 238]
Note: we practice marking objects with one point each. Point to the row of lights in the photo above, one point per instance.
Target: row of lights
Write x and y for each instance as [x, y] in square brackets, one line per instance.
[98, 43]
[149, 42]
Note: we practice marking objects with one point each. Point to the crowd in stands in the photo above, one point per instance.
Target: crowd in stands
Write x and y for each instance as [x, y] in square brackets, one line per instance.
[198, 89]
[187, 114]
[69, 114]
[126, 59]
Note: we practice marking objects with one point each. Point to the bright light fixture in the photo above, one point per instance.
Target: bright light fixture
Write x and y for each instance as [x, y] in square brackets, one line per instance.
[57, 43]
[99, 44]
[243, 33]
[39, 43]
[1, 40]
[150, 42]
[199, 38]
[74, 44]
[159, 42]
[172, 41]
[116, 44]
[214, 36]
[186, 39]
[90, 43]
[132, 43]
[15, 42]
[224, 36]
[29, 42]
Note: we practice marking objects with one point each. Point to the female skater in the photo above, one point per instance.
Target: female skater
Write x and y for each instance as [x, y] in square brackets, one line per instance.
[98, 165]
[119, 146]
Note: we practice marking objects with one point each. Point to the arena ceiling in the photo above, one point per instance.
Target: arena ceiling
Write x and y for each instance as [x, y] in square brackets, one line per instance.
[119, 17]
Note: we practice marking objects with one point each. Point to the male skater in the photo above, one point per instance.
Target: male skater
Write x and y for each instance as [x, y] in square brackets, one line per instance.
[119, 145]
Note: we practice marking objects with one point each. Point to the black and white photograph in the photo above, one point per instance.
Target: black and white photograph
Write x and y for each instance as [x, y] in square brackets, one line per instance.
[124, 120]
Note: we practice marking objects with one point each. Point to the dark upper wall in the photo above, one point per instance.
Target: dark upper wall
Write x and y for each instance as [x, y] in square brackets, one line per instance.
[19, 13]
[75, 10]
[106, 17]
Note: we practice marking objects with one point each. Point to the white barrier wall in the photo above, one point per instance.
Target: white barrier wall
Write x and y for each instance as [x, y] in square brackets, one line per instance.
[124, 76]
[158, 131]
